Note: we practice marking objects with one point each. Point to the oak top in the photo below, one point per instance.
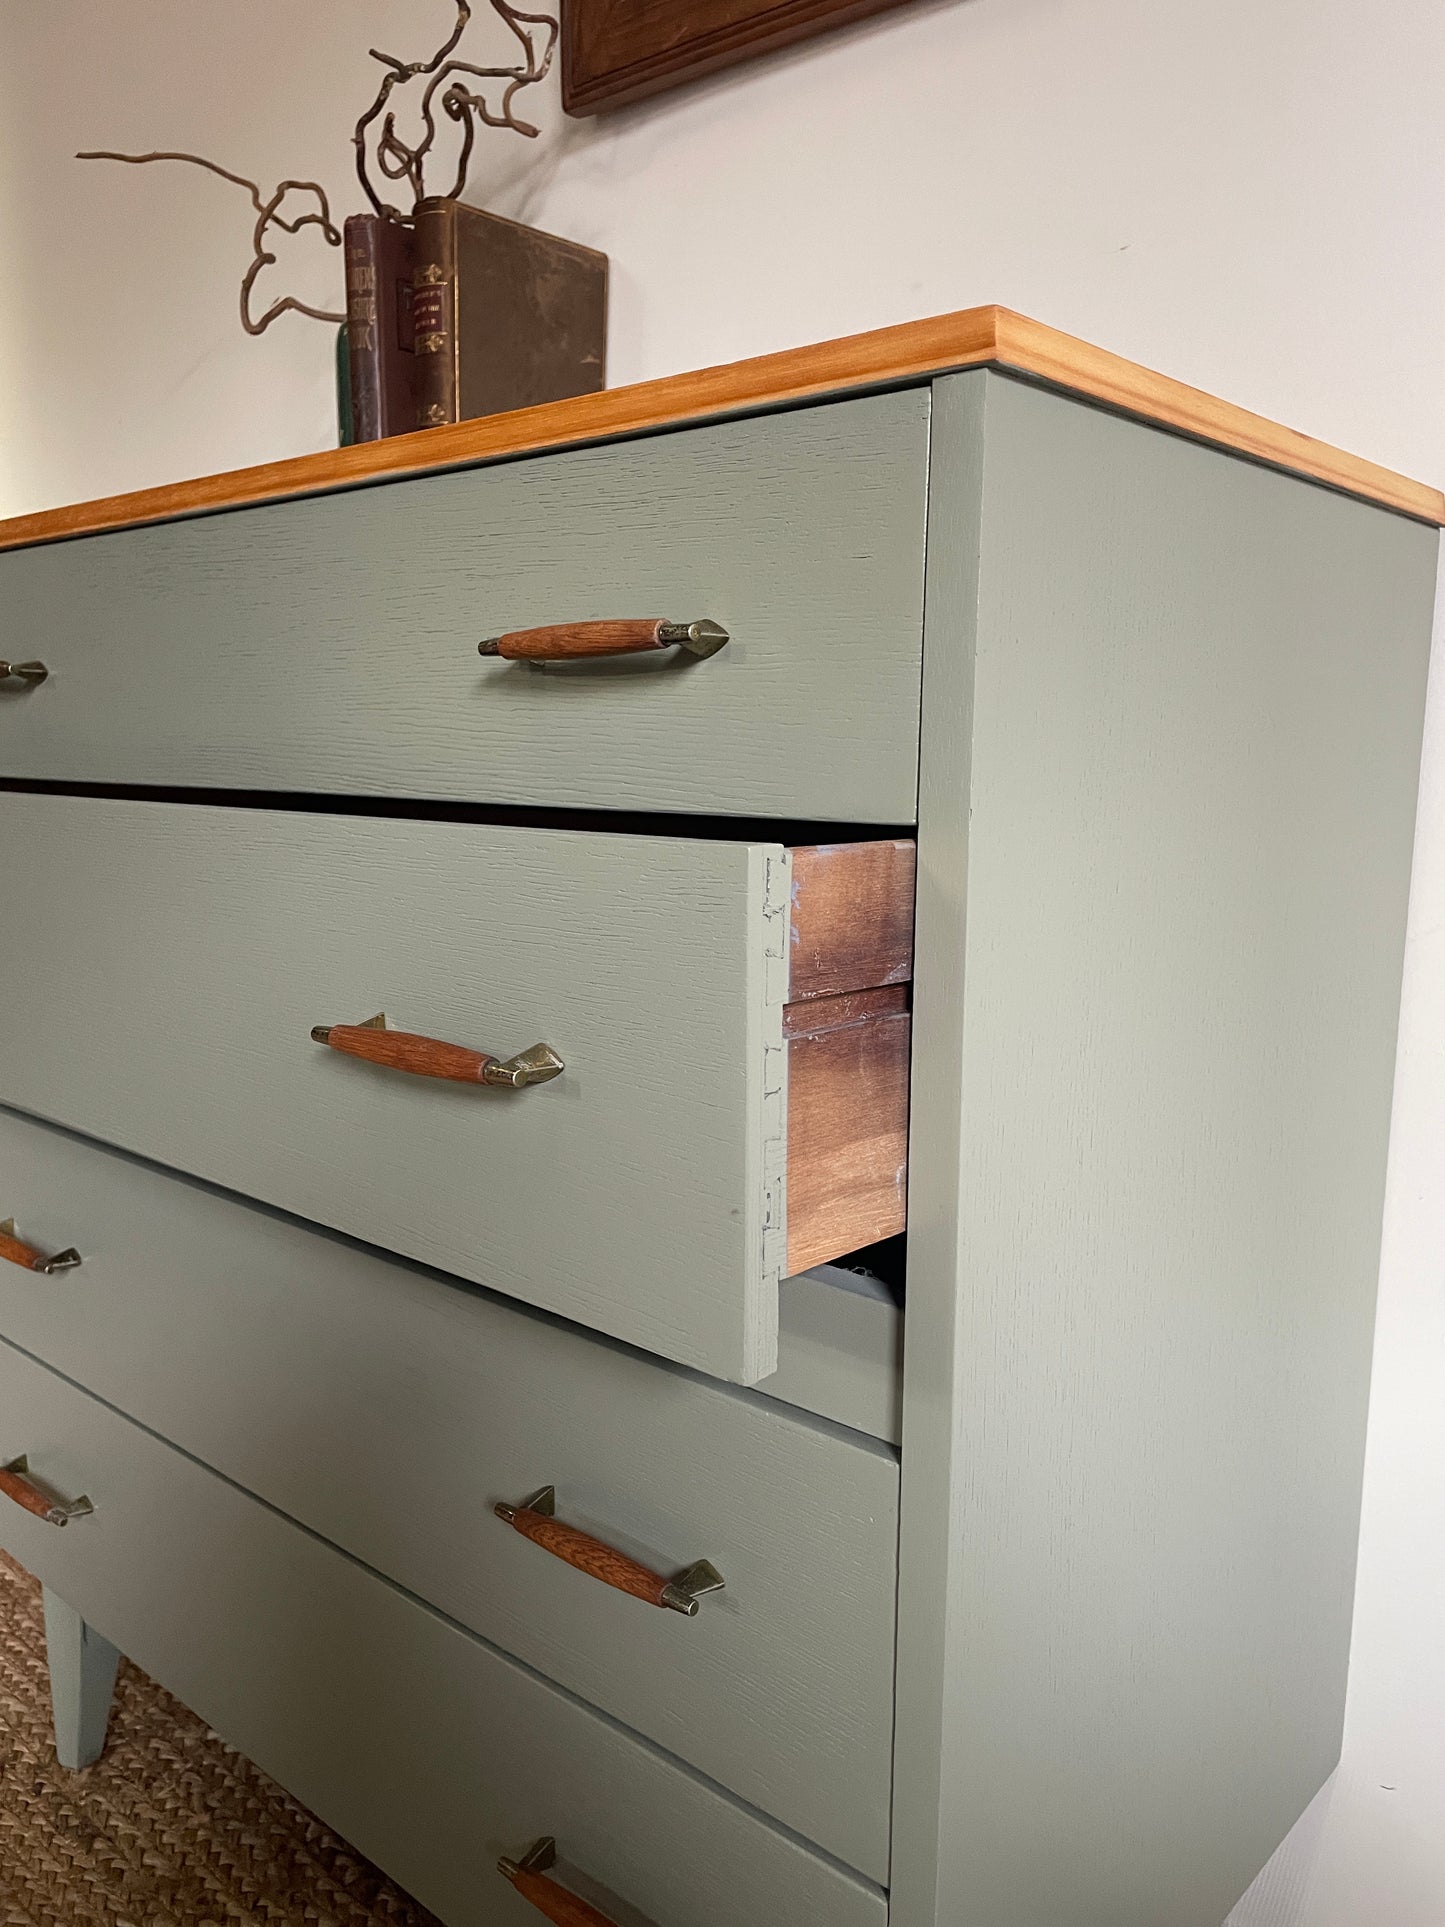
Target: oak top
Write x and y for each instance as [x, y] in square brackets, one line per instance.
[885, 357]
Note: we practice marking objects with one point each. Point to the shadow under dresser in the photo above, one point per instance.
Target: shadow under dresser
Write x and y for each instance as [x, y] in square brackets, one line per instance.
[695, 1090]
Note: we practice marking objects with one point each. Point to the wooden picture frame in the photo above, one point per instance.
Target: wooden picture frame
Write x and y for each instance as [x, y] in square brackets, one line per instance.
[615, 51]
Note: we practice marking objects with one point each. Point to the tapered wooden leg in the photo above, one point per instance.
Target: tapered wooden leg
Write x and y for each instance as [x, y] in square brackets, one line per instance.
[82, 1678]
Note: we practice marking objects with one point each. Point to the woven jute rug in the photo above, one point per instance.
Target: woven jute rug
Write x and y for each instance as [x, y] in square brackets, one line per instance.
[170, 1828]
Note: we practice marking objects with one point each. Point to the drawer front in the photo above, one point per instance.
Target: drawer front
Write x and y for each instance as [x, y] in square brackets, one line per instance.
[426, 1748]
[331, 644]
[173, 961]
[390, 1411]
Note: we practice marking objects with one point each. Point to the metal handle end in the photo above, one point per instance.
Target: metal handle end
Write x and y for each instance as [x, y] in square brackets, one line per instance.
[539, 1065]
[701, 639]
[62, 1261]
[541, 1855]
[683, 1593]
[31, 672]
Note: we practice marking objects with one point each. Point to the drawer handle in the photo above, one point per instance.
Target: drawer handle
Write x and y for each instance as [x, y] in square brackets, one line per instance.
[573, 641]
[401, 1050]
[535, 1519]
[14, 1248]
[529, 1876]
[26, 672]
[17, 1484]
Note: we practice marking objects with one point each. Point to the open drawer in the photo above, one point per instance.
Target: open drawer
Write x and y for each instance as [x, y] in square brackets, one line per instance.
[730, 1020]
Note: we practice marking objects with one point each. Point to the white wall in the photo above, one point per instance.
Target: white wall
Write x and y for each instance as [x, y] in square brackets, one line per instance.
[1249, 194]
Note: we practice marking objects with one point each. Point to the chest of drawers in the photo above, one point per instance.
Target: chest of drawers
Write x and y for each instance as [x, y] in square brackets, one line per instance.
[1011, 907]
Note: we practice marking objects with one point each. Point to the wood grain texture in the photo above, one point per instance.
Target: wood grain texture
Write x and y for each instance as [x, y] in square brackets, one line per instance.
[332, 645]
[851, 923]
[852, 1007]
[15, 1252]
[615, 51]
[428, 1749]
[25, 1493]
[586, 1553]
[554, 1903]
[911, 351]
[576, 641]
[847, 1138]
[1172, 708]
[388, 1409]
[401, 1050]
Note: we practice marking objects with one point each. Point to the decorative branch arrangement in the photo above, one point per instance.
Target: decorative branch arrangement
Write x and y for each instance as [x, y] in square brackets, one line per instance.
[396, 159]
[268, 213]
[400, 162]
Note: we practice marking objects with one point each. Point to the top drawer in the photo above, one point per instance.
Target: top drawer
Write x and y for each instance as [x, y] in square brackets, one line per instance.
[331, 644]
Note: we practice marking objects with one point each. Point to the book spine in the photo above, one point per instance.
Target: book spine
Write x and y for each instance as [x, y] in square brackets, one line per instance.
[434, 312]
[363, 332]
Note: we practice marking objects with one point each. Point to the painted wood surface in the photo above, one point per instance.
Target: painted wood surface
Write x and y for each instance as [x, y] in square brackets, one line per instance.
[331, 644]
[640, 1193]
[389, 1409]
[1173, 706]
[82, 1667]
[909, 352]
[432, 1752]
[840, 1352]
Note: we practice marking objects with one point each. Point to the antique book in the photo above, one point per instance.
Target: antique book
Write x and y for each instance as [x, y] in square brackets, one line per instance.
[344, 431]
[378, 320]
[504, 315]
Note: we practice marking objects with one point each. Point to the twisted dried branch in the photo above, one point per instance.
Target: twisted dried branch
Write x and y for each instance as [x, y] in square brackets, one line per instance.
[268, 214]
[399, 160]
[447, 89]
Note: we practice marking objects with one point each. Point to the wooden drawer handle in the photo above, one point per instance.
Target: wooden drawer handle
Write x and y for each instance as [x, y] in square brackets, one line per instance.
[529, 1876]
[15, 1251]
[17, 1484]
[572, 641]
[26, 672]
[401, 1050]
[534, 1519]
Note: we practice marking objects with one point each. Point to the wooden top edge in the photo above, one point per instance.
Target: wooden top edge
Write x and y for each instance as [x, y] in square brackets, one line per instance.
[912, 350]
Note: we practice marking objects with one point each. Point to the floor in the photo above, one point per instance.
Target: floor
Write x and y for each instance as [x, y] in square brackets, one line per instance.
[170, 1829]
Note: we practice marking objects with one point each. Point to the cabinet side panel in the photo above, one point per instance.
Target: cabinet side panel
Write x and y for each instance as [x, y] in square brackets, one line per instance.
[1197, 702]
[930, 1585]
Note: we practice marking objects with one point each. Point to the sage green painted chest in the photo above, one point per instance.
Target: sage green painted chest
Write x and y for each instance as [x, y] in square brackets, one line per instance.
[1037, 1564]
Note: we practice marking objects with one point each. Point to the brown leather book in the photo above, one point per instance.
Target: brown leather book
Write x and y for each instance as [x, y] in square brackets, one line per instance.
[379, 271]
[504, 314]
